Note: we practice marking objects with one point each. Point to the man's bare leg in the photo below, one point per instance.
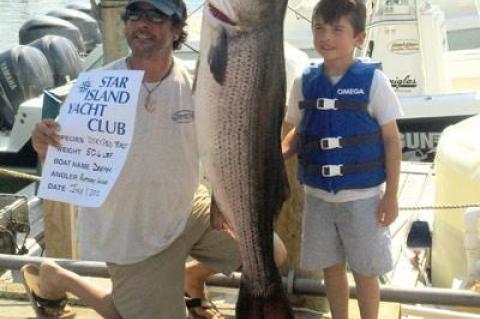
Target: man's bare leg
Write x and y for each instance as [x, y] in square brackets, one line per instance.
[196, 275]
[55, 280]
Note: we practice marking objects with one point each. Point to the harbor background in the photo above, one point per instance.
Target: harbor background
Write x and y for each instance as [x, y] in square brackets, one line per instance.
[14, 13]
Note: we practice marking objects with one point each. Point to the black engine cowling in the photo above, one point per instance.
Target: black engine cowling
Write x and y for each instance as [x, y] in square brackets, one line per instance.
[24, 73]
[86, 24]
[62, 55]
[85, 8]
[48, 25]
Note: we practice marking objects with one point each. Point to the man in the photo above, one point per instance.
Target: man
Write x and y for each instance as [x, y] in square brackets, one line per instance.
[146, 227]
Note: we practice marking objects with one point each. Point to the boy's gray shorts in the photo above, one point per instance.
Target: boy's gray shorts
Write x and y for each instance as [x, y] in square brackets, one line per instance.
[349, 232]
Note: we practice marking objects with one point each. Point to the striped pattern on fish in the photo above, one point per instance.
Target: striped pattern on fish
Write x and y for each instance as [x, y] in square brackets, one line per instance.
[240, 99]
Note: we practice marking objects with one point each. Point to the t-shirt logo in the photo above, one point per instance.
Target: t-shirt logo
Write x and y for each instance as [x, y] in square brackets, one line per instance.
[183, 116]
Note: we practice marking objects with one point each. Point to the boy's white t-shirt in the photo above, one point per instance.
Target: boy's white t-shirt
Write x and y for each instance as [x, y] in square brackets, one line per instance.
[149, 205]
[384, 106]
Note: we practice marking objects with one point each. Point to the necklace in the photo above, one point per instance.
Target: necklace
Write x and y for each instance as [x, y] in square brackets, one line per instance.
[149, 104]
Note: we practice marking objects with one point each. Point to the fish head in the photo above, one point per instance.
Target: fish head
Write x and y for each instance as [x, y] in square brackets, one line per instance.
[226, 22]
[238, 16]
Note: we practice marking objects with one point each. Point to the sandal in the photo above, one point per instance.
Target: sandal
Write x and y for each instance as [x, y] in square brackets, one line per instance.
[44, 308]
[199, 308]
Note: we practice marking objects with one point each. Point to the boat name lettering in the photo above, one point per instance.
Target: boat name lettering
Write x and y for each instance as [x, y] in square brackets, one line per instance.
[404, 46]
[12, 84]
[352, 91]
[101, 168]
[424, 140]
[69, 150]
[406, 82]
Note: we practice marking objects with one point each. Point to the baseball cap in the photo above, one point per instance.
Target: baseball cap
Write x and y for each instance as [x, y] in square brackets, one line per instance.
[169, 7]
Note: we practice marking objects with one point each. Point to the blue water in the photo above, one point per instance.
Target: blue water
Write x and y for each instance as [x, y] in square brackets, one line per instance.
[13, 13]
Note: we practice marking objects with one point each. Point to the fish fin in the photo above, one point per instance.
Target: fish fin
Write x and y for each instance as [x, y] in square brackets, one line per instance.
[218, 57]
[218, 220]
[273, 306]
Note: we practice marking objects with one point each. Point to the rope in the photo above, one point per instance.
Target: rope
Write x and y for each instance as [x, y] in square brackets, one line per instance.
[196, 9]
[15, 174]
[437, 207]
[191, 48]
[299, 15]
[34, 178]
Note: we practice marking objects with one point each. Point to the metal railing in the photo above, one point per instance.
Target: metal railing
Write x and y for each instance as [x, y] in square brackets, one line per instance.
[303, 286]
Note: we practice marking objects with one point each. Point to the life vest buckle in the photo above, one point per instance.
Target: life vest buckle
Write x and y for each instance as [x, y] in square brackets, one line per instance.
[326, 104]
[332, 170]
[328, 143]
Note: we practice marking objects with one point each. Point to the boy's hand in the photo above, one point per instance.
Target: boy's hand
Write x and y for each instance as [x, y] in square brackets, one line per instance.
[289, 144]
[387, 210]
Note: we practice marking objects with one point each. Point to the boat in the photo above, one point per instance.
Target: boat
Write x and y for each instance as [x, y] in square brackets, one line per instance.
[53, 49]
[438, 87]
[435, 77]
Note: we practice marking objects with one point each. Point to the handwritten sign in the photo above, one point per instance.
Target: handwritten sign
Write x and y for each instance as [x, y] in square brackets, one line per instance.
[97, 123]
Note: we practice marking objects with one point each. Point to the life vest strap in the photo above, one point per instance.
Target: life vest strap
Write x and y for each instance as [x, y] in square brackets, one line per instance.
[328, 143]
[332, 104]
[340, 170]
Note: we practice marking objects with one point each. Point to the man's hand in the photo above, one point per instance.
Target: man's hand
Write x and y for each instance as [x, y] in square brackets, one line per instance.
[387, 209]
[45, 133]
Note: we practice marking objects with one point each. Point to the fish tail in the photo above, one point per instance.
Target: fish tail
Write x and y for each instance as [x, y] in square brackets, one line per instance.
[273, 306]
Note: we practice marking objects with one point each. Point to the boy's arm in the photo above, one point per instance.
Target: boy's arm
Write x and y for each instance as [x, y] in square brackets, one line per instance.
[388, 208]
[289, 143]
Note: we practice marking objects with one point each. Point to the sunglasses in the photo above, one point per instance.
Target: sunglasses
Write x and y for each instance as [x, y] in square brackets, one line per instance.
[151, 15]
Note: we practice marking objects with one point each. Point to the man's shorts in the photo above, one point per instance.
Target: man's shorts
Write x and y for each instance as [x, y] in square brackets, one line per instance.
[154, 288]
[349, 232]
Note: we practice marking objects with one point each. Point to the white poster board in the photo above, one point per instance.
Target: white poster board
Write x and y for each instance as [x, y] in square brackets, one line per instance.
[97, 123]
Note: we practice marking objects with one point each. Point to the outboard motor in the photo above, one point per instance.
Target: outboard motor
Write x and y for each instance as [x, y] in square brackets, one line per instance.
[62, 55]
[24, 73]
[85, 8]
[44, 25]
[86, 24]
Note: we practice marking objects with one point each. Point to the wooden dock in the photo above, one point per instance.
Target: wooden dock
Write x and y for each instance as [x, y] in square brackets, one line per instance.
[416, 189]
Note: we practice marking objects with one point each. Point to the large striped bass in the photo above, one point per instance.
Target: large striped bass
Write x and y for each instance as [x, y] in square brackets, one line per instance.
[240, 98]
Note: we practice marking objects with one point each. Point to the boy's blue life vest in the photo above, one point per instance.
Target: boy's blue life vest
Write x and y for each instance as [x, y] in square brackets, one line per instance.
[340, 142]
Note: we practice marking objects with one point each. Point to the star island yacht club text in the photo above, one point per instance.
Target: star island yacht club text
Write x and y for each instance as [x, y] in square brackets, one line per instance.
[97, 122]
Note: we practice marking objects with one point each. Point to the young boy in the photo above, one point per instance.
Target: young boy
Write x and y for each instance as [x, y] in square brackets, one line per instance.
[345, 134]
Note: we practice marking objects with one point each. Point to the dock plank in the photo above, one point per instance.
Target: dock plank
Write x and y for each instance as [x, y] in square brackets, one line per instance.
[19, 309]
